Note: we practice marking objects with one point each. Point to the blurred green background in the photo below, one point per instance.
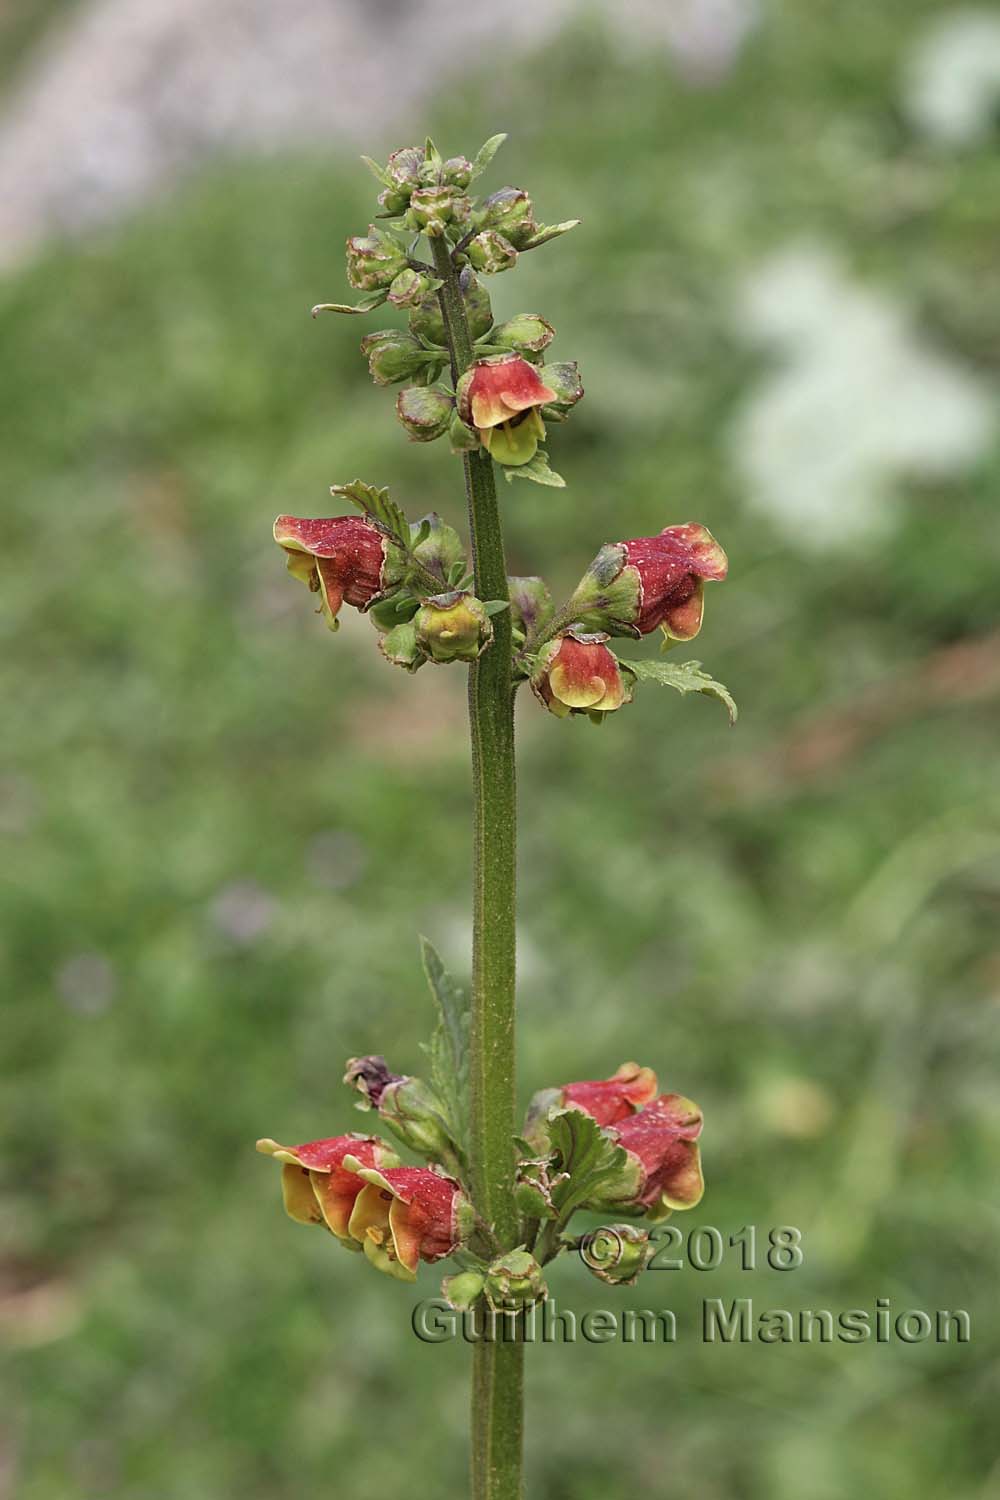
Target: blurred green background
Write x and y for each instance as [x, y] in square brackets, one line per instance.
[224, 828]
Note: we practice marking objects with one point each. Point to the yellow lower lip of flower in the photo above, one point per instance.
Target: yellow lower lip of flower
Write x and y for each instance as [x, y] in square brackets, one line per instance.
[515, 442]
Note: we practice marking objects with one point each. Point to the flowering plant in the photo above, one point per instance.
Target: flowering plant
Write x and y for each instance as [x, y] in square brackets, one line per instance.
[497, 1202]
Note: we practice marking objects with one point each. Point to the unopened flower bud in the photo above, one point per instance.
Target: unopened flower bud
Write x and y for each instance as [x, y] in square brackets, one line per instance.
[617, 1253]
[576, 674]
[407, 1106]
[453, 627]
[491, 253]
[563, 377]
[442, 546]
[515, 1281]
[463, 1290]
[432, 209]
[526, 334]
[425, 411]
[371, 1077]
[393, 355]
[374, 259]
[530, 605]
[458, 171]
[409, 288]
[427, 320]
[510, 213]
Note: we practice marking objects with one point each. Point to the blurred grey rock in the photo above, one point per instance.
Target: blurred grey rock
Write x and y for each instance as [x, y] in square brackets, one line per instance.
[127, 95]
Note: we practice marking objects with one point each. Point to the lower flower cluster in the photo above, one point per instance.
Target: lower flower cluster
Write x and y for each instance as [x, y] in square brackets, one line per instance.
[613, 1145]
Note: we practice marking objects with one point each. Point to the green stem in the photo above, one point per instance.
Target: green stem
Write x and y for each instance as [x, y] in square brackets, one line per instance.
[498, 1367]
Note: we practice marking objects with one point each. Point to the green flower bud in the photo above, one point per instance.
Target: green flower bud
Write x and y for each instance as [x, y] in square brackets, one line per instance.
[409, 287]
[530, 605]
[393, 355]
[617, 1253]
[374, 259]
[509, 212]
[526, 334]
[453, 627]
[563, 378]
[515, 1281]
[491, 253]
[427, 321]
[433, 208]
[463, 1290]
[425, 411]
[458, 171]
[442, 549]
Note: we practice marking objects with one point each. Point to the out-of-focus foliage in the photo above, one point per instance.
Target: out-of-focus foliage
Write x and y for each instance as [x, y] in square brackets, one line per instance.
[224, 829]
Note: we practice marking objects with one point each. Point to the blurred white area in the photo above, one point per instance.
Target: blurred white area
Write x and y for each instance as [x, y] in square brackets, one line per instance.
[126, 95]
[951, 84]
[856, 402]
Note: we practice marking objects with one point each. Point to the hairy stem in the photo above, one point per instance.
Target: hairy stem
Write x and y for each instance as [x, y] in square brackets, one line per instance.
[498, 1366]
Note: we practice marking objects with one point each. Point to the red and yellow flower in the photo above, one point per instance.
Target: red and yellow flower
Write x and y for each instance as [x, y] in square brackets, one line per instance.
[664, 1163]
[575, 673]
[502, 399]
[653, 581]
[316, 1185]
[404, 1215]
[344, 559]
[609, 1100]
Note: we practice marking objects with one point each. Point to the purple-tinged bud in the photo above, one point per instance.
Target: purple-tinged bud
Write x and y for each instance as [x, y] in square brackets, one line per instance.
[563, 377]
[530, 605]
[425, 411]
[374, 259]
[528, 333]
[441, 549]
[370, 1076]
[491, 253]
[453, 627]
[509, 212]
[407, 1106]
[617, 1253]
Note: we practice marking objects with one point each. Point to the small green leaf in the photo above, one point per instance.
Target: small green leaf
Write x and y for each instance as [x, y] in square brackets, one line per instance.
[365, 304]
[379, 173]
[486, 153]
[496, 606]
[548, 232]
[449, 1046]
[377, 506]
[685, 677]
[536, 470]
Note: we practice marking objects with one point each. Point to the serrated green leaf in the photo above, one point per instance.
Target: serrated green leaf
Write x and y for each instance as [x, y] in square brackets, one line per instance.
[585, 1152]
[537, 470]
[685, 677]
[449, 1046]
[377, 506]
[486, 153]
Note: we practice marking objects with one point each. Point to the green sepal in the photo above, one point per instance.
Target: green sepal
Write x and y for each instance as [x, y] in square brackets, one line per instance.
[537, 470]
[496, 606]
[684, 677]
[546, 232]
[399, 646]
